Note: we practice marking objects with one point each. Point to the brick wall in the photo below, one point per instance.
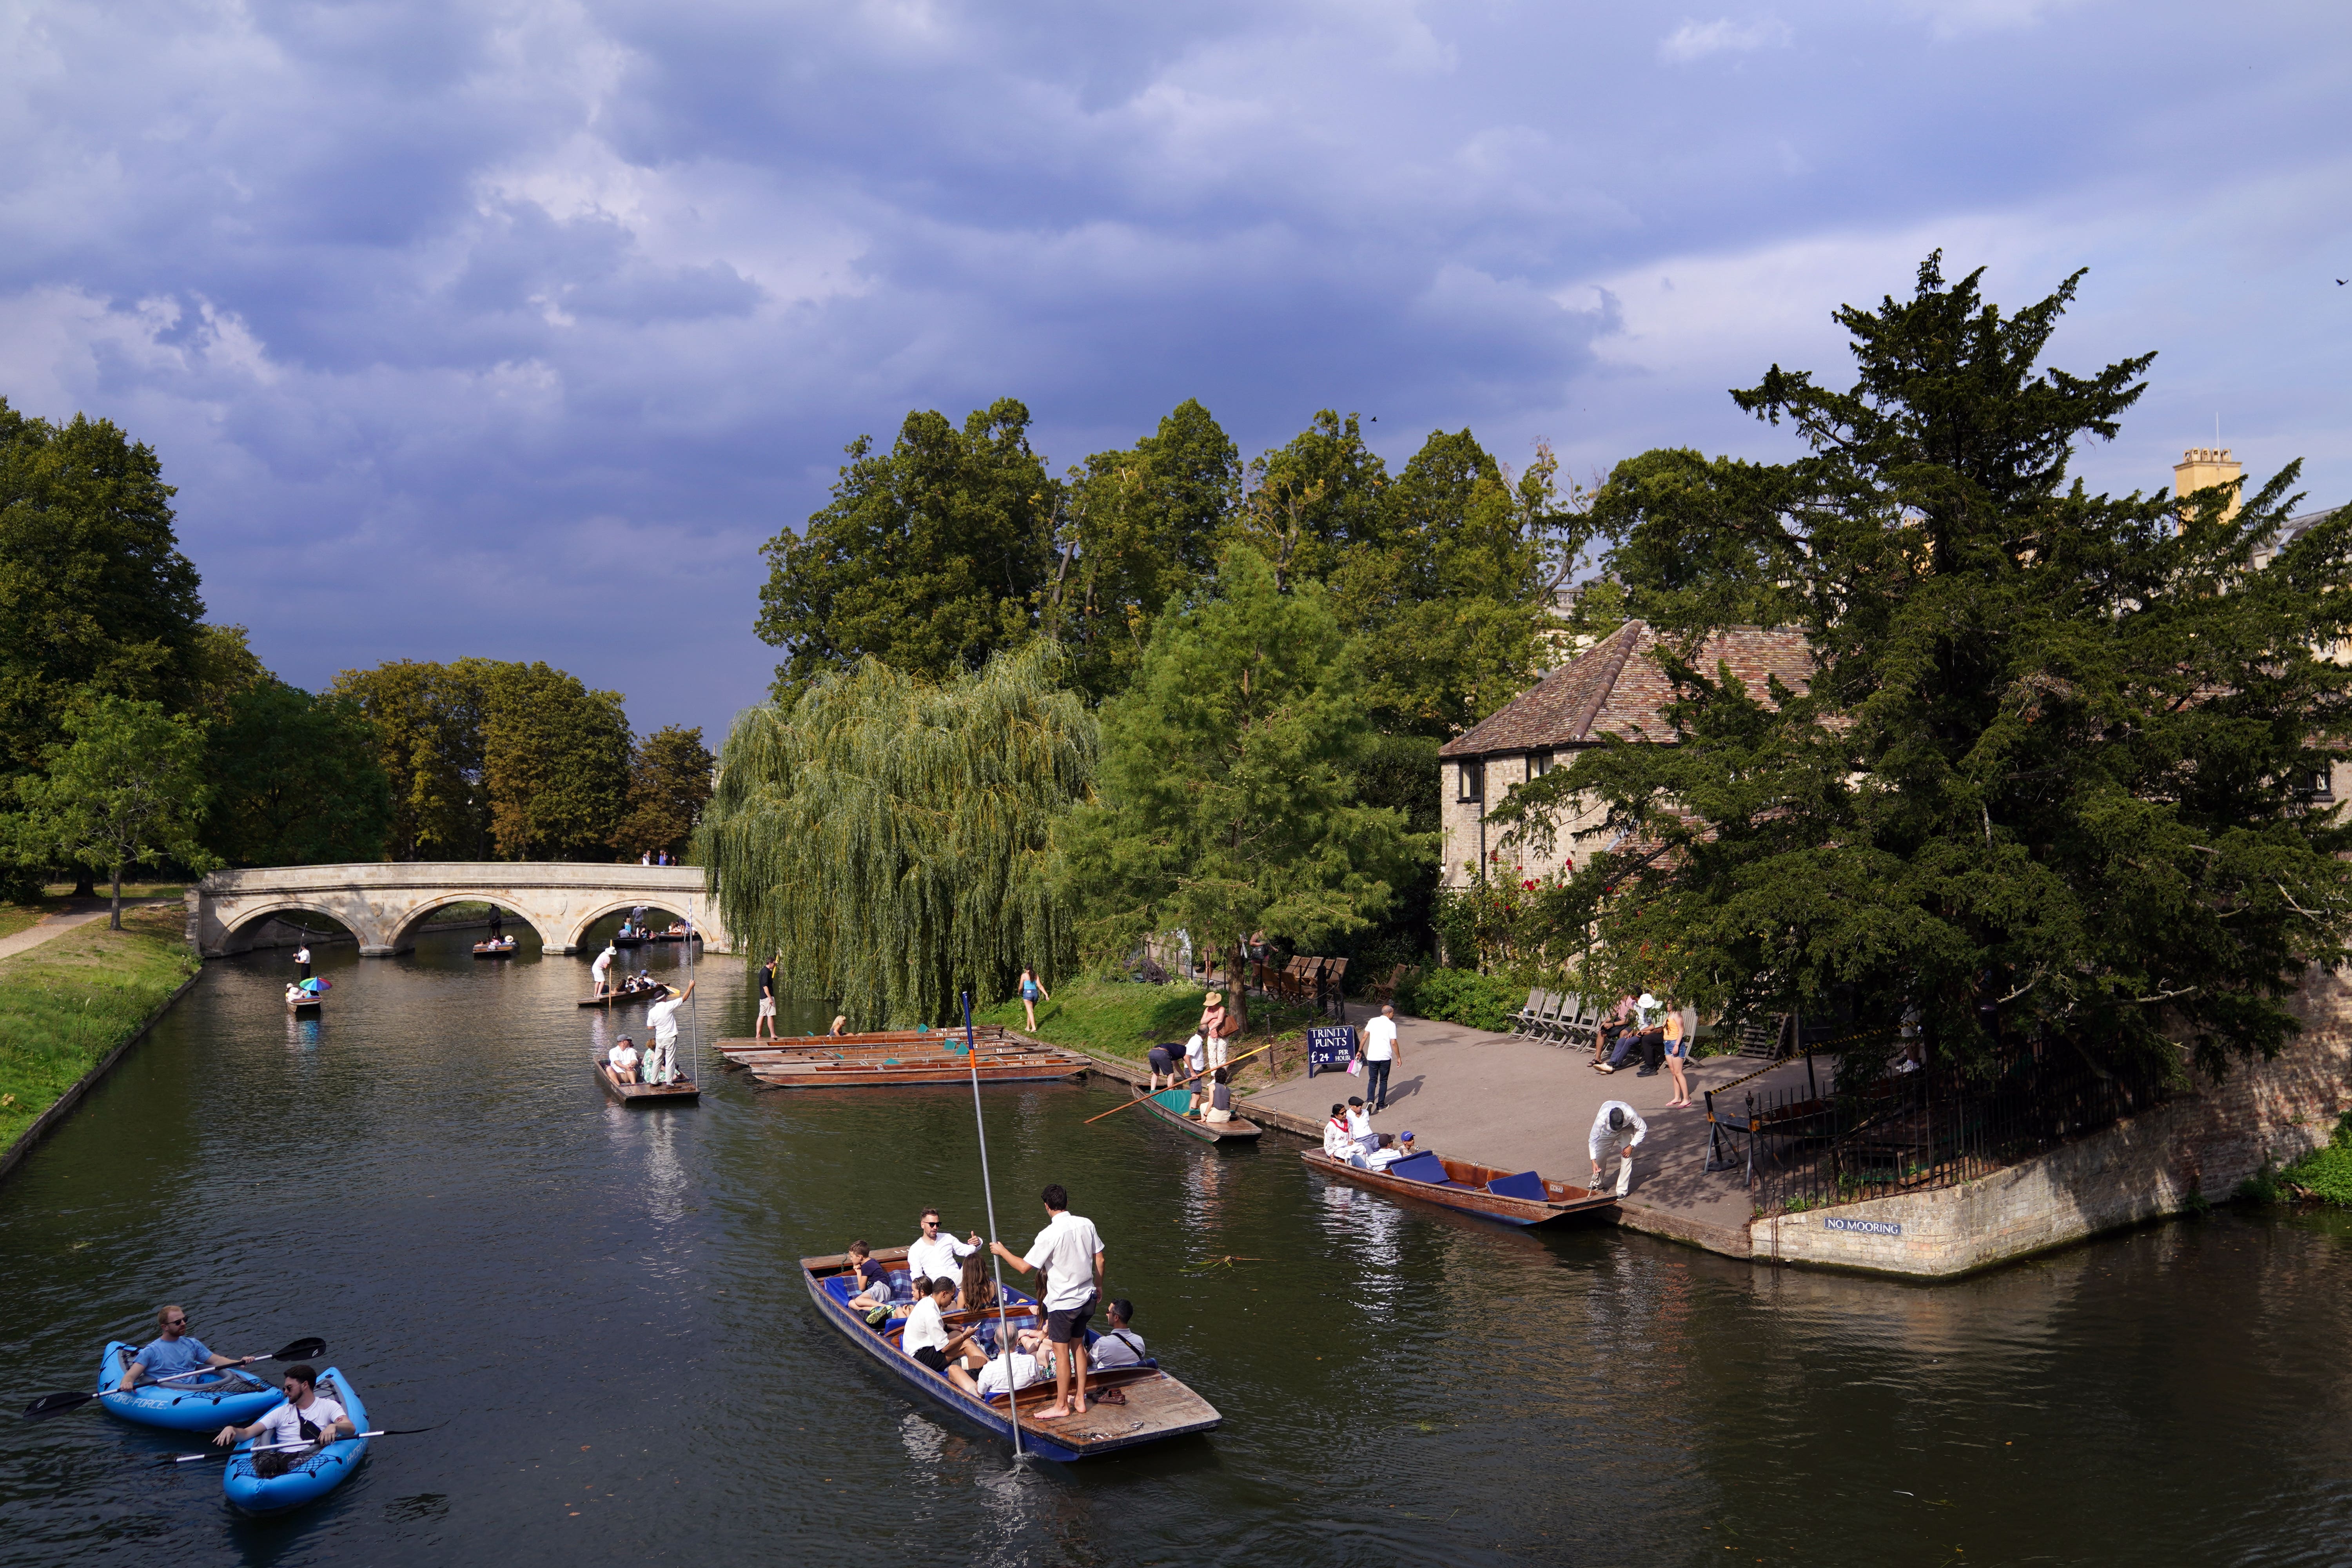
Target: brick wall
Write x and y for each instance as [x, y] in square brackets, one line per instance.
[1579, 834]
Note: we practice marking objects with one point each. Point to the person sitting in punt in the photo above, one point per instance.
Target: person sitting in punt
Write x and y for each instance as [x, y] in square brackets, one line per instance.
[870, 1287]
[978, 1292]
[1029, 1362]
[1117, 1346]
[932, 1255]
[307, 1417]
[623, 1060]
[1215, 1103]
[175, 1352]
[1391, 1151]
[1337, 1141]
[840, 1024]
[296, 993]
[926, 1338]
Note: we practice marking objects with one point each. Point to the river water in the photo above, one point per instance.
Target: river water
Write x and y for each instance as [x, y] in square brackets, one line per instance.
[602, 1307]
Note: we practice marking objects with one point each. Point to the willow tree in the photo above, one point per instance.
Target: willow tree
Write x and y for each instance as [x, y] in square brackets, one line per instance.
[890, 837]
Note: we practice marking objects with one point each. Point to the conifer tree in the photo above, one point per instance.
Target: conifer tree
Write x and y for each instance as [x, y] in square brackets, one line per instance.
[2053, 777]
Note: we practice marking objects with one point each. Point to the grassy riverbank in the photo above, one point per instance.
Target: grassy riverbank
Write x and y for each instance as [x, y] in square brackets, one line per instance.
[58, 898]
[1121, 1018]
[67, 1003]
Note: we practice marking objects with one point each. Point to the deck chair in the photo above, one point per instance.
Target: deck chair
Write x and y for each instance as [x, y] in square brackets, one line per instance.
[1523, 1022]
[1547, 1022]
[1385, 990]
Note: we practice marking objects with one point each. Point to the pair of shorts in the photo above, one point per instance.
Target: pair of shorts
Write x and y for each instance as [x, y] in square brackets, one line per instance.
[1679, 1047]
[933, 1357]
[1161, 1061]
[767, 1007]
[1063, 1327]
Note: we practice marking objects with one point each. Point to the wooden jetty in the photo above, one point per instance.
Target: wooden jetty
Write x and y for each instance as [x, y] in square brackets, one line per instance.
[1514, 1197]
[682, 1092]
[1157, 1406]
[1169, 1106]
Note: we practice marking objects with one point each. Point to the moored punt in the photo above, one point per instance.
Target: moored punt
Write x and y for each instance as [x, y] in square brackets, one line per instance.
[679, 1093]
[503, 948]
[985, 1035]
[867, 1070]
[1169, 1106]
[1514, 1197]
[1158, 1406]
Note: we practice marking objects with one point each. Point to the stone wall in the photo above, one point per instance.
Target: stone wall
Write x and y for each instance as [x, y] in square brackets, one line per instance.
[2200, 1146]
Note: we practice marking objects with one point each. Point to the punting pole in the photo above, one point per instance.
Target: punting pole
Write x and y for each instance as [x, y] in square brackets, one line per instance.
[693, 1008]
[995, 1266]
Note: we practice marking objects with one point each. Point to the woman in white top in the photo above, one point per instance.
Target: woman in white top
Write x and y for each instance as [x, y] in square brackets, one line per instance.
[1337, 1141]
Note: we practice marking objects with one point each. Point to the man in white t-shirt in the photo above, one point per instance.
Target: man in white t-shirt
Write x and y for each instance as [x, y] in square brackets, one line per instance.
[926, 1337]
[661, 1061]
[622, 1059]
[1380, 1056]
[1070, 1254]
[302, 957]
[602, 970]
[1359, 1129]
[1620, 1127]
[304, 1406]
[936, 1257]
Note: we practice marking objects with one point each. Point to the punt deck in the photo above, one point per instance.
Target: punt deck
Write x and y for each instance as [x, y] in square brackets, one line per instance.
[1169, 1105]
[1514, 1198]
[648, 1094]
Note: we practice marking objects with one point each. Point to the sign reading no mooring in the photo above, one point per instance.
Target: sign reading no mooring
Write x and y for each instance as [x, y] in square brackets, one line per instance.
[1865, 1226]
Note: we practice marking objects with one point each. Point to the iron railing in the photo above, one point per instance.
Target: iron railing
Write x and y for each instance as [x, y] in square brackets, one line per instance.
[1869, 1133]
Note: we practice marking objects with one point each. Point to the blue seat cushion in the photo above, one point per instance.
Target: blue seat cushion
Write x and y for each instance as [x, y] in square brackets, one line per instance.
[1420, 1168]
[1525, 1184]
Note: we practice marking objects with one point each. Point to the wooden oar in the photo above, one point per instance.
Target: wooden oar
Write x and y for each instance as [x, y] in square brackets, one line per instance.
[280, 1447]
[1196, 1078]
[50, 1404]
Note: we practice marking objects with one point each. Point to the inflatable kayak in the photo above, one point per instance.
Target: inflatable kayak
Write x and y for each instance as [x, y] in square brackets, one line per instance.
[231, 1397]
[310, 1476]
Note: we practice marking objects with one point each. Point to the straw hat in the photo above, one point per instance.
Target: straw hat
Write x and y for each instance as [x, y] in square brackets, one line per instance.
[1214, 997]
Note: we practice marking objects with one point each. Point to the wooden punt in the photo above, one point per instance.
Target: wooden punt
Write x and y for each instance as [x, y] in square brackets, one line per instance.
[628, 941]
[308, 1004]
[1043, 1064]
[1235, 1131]
[985, 1035]
[623, 998]
[671, 936]
[500, 949]
[1471, 1188]
[679, 1093]
[1158, 1406]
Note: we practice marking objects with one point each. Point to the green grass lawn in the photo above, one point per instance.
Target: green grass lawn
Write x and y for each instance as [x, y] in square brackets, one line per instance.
[1121, 1018]
[54, 898]
[67, 1003]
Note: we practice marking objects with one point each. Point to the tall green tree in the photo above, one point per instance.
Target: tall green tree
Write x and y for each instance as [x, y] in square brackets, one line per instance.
[670, 784]
[429, 721]
[1312, 499]
[1139, 527]
[294, 780]
[2053, 775]
[555, 761]
[930, 556]
[892, 838]
[1225, 799]
[128, 791]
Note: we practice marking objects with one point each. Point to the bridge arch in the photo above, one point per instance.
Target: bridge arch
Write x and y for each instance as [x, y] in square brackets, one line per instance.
[402, 937]
[250, 919]
[577, 934]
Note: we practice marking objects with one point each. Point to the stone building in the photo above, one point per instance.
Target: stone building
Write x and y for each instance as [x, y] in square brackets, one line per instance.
[1614, 688]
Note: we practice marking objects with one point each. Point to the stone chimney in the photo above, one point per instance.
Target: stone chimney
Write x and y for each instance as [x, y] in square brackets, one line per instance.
[2202, 466]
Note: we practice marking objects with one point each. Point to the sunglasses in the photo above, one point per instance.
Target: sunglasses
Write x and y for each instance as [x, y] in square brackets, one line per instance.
[175, 1322]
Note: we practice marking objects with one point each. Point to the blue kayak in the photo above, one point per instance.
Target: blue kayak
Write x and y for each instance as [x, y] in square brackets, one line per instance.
[229, 1397]
[311, 1475]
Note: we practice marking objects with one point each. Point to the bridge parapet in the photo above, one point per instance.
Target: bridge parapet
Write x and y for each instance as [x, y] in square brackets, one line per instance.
[380, 902]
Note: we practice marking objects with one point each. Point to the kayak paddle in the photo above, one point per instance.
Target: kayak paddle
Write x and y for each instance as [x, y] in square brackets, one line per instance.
[50, 1404]
[276, 1447]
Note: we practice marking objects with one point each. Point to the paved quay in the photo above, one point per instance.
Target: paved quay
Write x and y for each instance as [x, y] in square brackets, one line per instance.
[1497, 1099]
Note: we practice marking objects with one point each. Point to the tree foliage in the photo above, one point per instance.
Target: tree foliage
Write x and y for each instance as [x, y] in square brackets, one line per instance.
[669, 783]
[294, 780]
[930, 556]
[2053, 775]
[1226, 800]
[485, 758]
[890, 836]
[128, 791]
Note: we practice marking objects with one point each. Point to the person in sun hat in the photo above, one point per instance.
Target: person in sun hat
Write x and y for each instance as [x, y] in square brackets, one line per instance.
[1213, 1022]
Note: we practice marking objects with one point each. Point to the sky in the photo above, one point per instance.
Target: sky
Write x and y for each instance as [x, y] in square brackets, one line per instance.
[515, 329]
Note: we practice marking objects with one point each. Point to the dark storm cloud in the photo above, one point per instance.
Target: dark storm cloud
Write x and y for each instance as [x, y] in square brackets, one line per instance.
[513, 328]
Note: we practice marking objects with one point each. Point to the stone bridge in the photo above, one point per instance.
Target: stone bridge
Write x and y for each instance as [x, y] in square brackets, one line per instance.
[382, 902]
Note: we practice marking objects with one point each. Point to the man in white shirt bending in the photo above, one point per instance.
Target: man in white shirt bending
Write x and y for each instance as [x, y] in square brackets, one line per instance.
[1380, 1056]
[937, 1256]
[602, 970]
[1070, 1253]
[1616, 1126]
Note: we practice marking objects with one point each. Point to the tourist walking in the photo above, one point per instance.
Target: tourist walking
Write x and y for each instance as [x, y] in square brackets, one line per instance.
[1070, 1253]
[1617, 1126]
[1380, 1056]
[765, 1029]
[1032, 994]
[1213, 1026]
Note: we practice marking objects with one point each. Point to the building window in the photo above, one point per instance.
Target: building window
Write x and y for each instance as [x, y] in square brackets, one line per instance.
[1538, 764]
[1474, 781]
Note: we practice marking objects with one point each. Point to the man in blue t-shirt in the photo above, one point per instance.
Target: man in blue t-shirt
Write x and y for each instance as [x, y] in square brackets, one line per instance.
[174, 1351]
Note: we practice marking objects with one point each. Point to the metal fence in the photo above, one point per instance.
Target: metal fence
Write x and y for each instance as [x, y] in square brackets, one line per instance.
[1823, 1143]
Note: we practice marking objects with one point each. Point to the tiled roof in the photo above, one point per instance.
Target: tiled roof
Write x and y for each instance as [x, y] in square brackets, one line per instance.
[1615, 687]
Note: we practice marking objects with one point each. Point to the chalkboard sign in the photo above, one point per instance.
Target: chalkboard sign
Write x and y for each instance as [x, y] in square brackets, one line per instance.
[1329, 1046]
